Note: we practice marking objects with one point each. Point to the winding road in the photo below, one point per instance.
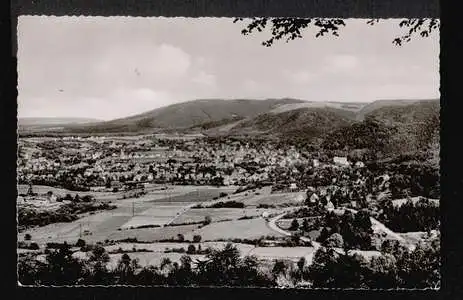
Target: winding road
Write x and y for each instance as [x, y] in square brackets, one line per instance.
[272, 225]
[377, 226]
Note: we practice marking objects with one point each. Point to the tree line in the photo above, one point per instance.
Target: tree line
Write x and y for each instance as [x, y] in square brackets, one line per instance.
[395, 267]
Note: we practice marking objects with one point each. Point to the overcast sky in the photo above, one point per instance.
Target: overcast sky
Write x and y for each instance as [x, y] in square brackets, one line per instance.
[104, 68]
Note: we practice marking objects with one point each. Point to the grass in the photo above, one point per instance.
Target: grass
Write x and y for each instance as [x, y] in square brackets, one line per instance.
[154, 234]
[244, 229]
[271, 253]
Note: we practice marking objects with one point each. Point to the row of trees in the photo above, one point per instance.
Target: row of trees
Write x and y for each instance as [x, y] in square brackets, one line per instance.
[410, 217]
[355, 229]
[395, 267]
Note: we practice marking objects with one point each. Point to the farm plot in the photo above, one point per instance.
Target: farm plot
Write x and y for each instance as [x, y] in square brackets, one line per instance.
[220, 214]
[153, 234]
[43, 189]
[290, 253]
[157, 216]
[162, 246]
[99, 226]
[144, 258]
[200, 195]
[243, 229]
[414, 238]
[276, 199]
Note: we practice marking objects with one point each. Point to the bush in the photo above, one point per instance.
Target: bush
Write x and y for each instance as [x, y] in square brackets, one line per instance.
[294, 225]
[180, 237]
[207, 220]
[175, 250]
[34, 246]
[228, 204]
[196, 238]
[87, 198]
[29, 246]
[266, 206]
[191, 249]
[335, 240]
[80, 243]
[27, 237]
[222, 194]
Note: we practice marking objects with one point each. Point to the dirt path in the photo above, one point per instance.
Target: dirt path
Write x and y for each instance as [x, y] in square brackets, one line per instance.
[184, 210]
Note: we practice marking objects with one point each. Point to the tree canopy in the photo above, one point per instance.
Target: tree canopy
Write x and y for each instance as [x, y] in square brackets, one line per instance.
[289, 29]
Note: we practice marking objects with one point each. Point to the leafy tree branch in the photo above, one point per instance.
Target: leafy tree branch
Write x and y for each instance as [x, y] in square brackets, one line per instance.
[289, 29]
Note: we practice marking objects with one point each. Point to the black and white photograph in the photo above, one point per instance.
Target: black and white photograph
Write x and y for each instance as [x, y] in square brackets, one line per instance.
[228, 152]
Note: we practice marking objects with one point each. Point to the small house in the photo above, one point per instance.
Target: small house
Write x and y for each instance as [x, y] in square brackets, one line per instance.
[341, 161]
[359, 164]
[329, 206]
[314, 198]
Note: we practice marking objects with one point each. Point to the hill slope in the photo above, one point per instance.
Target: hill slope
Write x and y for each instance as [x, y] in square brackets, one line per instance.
[187, 114]
[394, 128]
[50, 124]
[53, 121]
[306, 123]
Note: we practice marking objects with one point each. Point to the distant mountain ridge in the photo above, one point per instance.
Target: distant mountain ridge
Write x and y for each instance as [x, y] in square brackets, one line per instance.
[285, 118]
[33, 121]
[187, 114]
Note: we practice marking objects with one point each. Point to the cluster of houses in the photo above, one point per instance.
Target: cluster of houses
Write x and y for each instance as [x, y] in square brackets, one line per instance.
[99, 160]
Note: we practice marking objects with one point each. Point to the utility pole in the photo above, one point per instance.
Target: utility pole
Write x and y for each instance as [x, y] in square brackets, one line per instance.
[80, 230]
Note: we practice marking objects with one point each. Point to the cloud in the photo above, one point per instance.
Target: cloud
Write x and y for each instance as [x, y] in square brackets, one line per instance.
[341, 63]
[143, 64]
[141, 100]
[119, 103]
[299, 77]
[251, 85]
[68, 65]
[171, 61]
[205, 79]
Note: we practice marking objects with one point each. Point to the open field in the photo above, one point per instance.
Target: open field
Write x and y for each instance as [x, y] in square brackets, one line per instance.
[100, 225]
[43, 189]
[158, 215]
[264, 196]
[155, 208]
[156, 254]
[162, 246]
[242, 229]
[153, 234]
[164, 193]
[220, 214]
[196, 194]
[290, 253]
[414, 238]
[277, 199]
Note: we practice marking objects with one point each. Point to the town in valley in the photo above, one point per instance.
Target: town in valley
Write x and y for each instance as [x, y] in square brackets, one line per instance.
[164, 156]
